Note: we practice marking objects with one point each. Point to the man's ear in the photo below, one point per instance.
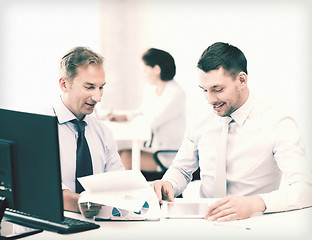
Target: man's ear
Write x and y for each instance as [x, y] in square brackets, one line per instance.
[63, 84]
[242, 77]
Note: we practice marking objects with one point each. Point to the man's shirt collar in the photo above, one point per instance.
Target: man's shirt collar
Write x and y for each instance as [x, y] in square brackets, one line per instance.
[241, 114]
[64, 114]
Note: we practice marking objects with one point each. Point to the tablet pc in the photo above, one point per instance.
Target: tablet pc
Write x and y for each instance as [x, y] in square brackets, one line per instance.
[185, 209]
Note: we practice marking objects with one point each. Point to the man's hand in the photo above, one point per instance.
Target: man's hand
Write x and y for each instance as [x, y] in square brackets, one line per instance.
[235, 208]
[71, 204]
[163, 189]
[116, 118]
[89, 210]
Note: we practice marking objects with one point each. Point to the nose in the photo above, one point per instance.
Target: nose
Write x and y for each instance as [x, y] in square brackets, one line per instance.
[210, 97]
[97, 96]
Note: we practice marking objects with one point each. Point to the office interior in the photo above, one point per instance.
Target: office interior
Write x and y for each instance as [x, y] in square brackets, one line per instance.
[274, 35]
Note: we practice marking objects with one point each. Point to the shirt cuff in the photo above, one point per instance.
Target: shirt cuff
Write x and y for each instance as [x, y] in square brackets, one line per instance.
[270, 205]
[64, 187]
[177, 188]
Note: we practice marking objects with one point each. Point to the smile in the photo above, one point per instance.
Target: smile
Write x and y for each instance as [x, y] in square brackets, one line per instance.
[90, 105]
[218, 107]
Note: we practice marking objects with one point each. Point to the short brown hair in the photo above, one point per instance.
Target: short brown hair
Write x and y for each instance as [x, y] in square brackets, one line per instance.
[224, 55]
[78, 57]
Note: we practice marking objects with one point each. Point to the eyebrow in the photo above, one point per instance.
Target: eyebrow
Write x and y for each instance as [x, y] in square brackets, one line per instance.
[213, 87]
[92, 84]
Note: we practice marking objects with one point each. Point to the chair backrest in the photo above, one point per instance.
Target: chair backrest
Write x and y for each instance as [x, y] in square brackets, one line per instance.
[164, 158]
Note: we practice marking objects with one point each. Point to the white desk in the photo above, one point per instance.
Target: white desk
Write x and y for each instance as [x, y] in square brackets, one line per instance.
[135, 131]
[284, 226]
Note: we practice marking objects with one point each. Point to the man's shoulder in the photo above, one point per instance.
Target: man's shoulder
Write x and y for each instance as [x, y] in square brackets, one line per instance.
[47, 111]
[268, 114]
[265, 108]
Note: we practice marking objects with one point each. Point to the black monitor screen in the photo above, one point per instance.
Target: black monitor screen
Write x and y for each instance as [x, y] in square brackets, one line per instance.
[30, 142]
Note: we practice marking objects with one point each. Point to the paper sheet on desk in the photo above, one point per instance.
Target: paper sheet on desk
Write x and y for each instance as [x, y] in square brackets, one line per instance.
[121, 189]
[150, 211]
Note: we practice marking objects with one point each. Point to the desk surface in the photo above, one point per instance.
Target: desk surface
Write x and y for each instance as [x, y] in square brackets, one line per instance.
[286, 225]
[136, 129]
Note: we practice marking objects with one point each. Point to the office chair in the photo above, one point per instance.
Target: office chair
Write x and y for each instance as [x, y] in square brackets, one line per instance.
[163, 159]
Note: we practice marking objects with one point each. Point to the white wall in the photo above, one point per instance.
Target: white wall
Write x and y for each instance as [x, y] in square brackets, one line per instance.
[34, 36]
[274, 35]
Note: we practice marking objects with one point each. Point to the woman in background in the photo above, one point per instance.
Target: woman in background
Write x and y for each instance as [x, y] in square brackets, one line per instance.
[163, 108]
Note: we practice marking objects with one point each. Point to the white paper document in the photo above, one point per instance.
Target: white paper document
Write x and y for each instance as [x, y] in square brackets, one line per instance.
[126, 190]
[150, 211]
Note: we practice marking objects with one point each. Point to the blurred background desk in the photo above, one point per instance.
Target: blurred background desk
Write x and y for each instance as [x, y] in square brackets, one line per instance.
[136, 132]
[285, 226]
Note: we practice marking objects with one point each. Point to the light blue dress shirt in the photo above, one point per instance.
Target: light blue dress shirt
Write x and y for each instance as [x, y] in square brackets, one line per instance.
[263, 144]
[102, 146]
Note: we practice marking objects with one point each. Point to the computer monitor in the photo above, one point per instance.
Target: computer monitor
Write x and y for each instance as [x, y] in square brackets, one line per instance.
[6, 174]
[30, 164]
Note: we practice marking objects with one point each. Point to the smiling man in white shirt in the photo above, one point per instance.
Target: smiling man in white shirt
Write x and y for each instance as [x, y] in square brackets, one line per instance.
[263, 143]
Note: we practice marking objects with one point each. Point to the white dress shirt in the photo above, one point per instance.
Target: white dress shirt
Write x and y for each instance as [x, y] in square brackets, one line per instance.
[102, 147]
[165, 114]
[263, 143]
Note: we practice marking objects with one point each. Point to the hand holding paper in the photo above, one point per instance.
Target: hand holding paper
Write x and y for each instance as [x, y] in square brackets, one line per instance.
[127, 190]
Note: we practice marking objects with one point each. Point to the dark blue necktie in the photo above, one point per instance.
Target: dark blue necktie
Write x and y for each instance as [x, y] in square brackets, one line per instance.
[83, 156]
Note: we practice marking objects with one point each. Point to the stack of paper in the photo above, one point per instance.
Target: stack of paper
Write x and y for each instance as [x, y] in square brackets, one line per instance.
[125, 194]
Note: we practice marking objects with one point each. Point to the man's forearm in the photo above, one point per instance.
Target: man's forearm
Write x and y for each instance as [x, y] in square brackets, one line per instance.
[70, 201]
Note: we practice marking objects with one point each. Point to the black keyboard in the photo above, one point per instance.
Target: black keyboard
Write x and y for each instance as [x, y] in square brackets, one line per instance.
[69, 225]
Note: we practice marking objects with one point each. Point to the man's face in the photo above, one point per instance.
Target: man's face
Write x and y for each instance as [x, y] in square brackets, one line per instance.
[224, 93]
[81, 94]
